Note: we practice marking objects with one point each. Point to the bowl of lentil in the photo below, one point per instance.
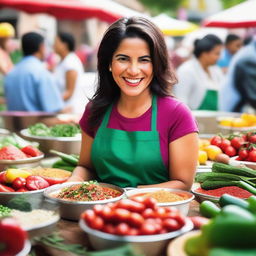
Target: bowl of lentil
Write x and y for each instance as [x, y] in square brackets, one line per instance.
[165, 197]
[74, 198]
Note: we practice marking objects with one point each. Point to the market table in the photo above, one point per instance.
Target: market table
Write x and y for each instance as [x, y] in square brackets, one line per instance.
[73, 234]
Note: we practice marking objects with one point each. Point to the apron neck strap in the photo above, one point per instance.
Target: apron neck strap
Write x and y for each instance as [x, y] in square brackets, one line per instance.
[153, 117]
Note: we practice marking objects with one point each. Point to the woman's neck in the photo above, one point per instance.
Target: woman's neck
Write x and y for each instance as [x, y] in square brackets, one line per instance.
[133, 107]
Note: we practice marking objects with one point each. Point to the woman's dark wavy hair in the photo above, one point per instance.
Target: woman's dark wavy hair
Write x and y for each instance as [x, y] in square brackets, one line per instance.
[206, 44]
[107, 91]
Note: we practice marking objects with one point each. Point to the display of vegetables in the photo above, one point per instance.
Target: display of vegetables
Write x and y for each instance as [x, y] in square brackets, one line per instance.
[58, 130]
[231, 231]
[136, 216]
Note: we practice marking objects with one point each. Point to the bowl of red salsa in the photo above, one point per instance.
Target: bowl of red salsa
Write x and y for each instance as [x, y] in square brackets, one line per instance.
[76, 197]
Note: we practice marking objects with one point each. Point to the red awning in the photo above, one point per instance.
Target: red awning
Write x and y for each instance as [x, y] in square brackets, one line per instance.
[105, 10]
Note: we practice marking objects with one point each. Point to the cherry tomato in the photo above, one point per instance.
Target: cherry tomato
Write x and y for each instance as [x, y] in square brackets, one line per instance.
[237, 142]
[88, 216]
[224, 143]
[97, 223]
[109, 228]
[133, 232]
[230, 151]
[216, 140]
[131, 205]
[107, 213]
[121, 215]
[147, 229]
[98, 208]
[135, 219]
[160, 212]
[150, 202]
[252, 138]
[18, 183]
[122, 229]
[243, 154]
[148, 213]
[171, 224]
[252, 156]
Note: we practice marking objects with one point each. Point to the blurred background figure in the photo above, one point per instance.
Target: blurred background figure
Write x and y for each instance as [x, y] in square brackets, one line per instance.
[240, 82]
[29, 86]
[199, 77]
[232, 44]
[69, 72]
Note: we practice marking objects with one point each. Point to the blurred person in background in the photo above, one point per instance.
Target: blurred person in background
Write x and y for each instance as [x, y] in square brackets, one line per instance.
[199, 77]
[29, 86]
[69, 72]
[238, 91]
[232, 44]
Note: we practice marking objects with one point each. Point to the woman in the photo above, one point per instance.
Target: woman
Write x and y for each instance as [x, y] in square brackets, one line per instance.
[69, 72]
[200, 77]
[133, 132]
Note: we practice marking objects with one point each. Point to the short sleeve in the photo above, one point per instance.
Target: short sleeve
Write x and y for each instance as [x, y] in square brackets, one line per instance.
[183, 124]
[84, 124]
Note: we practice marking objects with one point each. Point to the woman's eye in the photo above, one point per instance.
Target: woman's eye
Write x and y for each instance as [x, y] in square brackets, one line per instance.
[145, 60]
[122, 59]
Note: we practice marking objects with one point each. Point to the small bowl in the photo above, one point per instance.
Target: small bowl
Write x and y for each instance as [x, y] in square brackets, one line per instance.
[20, 163]
[150, 245]
[182, 206]
[68, 145]
[72, 210]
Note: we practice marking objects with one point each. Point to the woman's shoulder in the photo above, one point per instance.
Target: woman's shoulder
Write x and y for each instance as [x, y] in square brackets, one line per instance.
[170, 103]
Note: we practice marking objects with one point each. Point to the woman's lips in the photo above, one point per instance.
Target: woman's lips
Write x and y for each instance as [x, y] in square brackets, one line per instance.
[133, 82]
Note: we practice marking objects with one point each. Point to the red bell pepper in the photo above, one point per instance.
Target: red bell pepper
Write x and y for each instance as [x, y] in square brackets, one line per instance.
[18, 183]
[34, 182]
[12, 237]
[31, 151]
[4, 188]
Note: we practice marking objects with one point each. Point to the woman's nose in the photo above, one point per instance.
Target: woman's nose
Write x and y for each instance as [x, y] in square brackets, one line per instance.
[133, 68]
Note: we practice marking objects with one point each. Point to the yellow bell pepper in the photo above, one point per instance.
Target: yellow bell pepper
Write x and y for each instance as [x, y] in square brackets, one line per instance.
[12, 174]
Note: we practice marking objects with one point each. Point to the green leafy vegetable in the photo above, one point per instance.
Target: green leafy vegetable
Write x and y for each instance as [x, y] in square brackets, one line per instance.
[4, 211]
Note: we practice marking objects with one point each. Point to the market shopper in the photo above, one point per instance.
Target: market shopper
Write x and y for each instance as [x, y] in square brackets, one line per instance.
[133, 132]
[199, 77]
[69, 72]
[29, 86]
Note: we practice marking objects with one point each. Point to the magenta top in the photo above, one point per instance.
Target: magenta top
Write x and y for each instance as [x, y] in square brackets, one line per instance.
[174, 120]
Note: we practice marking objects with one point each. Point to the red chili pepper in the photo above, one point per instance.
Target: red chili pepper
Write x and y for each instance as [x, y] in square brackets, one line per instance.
[36, 182]
[18, 183]
[12, 237]
[2, 177]
[4, 188]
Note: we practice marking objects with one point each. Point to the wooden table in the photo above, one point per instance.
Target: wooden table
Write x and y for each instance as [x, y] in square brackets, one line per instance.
[72, 233]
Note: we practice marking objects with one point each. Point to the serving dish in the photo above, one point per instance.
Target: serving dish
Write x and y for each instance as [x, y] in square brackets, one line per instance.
[72, 209]
[200, 196]
[25, 251]
[150, 245]
[182, 206]
[248, 164]
[19, 163]
[68, 145]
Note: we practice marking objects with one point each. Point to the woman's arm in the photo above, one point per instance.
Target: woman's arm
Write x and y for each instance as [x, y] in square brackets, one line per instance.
[84, 170]
[71, 78]
[183, 155]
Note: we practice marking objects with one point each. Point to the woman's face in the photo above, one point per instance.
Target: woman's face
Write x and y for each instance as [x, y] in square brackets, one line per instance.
[132, 67]
[213, 55]
[58, 45]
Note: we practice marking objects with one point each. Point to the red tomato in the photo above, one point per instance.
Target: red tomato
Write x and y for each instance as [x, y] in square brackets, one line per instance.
[135, 219]
[122, 229]
[131, 205]
[2, 177]
[230, 151]
[88, 216]
[252, 138]
[171, 224]
[237, 142]
[147, 229]
[224, 143]
[216, 140]
[160, 212]
[150, 202]
[4, 188]
[98, 208]
[18, 183]
[107, 213]
[148, 213]
[97, 223]
[252, 156]
[198, 221]
[243, 153]
[121, 215]
[109, 228]
[36, 182]
[22, 190]
[133, 232]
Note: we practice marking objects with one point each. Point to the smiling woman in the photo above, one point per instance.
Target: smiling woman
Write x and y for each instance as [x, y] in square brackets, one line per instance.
[134, 133]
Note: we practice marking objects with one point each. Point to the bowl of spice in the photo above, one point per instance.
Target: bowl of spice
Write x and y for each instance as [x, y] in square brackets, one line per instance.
[74, 198]
[166, 197]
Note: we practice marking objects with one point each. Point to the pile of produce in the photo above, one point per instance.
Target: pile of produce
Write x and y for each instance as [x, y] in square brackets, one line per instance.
[224, 175]
[136, 216]
[21, 180]
[58, 130]
[231, 231]
[245, 120]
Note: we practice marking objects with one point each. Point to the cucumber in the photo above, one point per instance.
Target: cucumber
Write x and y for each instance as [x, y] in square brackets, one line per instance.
[65, 157]
[225, 168]
[201, 177]
[209, 209]
[227, 199]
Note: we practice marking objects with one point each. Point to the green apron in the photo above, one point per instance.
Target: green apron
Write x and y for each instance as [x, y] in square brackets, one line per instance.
[210, 101]
[128, 159]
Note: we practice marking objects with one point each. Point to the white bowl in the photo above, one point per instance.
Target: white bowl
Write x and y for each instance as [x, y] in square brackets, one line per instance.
[150, 245]
[72, 210]
[182, 206]
[26, 249]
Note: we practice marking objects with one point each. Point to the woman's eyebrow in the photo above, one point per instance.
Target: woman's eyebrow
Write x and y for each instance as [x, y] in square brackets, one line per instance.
[123, 55]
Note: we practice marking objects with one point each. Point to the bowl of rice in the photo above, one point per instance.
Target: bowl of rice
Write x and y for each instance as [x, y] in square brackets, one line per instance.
[165, 197]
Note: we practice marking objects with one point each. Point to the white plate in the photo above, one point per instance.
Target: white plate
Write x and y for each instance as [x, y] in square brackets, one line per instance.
[202, 196]
[25, 250]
